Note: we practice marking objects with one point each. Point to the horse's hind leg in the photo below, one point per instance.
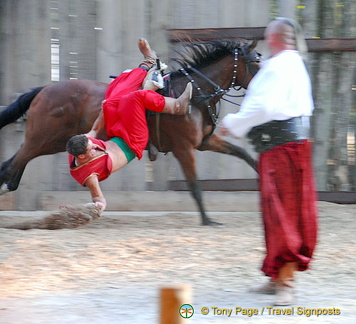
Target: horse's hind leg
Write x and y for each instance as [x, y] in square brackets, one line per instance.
[152, 151]
[186, 158]
[217, 144]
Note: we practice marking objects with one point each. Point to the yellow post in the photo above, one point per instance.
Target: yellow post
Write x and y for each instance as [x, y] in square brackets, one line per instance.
[172, 298]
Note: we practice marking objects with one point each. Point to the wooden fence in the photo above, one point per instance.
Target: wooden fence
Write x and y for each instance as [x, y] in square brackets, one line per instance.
[335, 167]
[44, 41]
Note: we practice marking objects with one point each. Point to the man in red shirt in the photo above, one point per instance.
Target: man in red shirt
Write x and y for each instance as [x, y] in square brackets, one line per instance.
[123, 115]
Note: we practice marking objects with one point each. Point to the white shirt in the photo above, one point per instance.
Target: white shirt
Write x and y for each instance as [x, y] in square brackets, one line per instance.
[280, 90]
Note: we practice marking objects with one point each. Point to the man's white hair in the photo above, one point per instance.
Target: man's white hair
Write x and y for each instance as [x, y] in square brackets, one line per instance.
[300, 43]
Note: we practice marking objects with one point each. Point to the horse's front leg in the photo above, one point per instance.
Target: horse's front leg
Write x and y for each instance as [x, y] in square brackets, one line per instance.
[217, 144]
[152, 151]
[186, 158]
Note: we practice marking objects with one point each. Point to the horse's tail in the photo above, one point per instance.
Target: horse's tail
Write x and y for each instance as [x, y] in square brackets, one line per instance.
[18, 108]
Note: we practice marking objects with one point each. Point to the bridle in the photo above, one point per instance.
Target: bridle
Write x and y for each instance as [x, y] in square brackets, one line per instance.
[204, 97]
[253, 57]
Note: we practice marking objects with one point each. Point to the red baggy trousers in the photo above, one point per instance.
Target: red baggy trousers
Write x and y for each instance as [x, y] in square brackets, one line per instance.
[288, 203]
[125, 109]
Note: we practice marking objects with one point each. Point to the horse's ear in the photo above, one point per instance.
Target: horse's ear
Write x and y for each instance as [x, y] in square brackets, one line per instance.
[251, 46]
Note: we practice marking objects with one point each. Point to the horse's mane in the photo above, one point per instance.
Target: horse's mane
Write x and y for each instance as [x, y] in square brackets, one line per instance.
[198, 55]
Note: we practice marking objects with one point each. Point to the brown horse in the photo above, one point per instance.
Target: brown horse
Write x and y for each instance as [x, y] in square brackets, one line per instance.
[58, 111]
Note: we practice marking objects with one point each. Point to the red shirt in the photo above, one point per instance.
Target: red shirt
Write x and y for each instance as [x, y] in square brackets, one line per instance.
[100, 165]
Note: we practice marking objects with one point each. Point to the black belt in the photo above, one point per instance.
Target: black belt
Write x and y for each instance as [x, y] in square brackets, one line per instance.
[278, 132]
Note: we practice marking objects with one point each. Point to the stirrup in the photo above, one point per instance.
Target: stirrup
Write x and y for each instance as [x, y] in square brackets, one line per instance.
[154, 79]
[160, 66]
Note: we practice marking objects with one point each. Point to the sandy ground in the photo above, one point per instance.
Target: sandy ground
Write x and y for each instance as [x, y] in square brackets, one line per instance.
[111, 270]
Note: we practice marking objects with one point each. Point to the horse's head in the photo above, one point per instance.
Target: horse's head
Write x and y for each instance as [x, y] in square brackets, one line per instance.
[216, 67]
[251, 58]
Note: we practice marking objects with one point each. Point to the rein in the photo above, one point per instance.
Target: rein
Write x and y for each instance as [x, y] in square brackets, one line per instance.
[218, 91]
[205, 97]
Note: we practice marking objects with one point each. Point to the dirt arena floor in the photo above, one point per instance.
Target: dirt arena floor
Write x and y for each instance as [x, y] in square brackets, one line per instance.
[111, 270]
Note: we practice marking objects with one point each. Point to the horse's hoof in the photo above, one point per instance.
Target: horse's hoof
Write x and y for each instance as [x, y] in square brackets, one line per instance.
[152, 156]
[152, 152]
[4, 189]
[212, 223]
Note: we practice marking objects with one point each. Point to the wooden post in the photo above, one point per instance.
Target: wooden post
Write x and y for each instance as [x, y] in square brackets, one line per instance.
[172, 298]
[31, 67]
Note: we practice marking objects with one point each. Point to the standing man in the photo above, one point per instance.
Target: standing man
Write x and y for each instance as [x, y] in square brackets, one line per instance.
[275, 116]
[123, 116]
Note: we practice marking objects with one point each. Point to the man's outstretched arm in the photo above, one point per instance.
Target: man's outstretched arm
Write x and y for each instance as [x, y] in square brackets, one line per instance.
[97, 195]
[98, 126]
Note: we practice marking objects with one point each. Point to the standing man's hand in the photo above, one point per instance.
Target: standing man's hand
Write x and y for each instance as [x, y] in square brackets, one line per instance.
[223, 131]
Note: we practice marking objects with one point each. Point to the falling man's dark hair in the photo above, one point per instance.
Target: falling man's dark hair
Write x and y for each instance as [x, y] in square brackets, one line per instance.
[77, 145]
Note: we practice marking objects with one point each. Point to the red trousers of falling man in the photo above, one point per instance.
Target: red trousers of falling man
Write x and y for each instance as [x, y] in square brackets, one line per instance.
[125, 109]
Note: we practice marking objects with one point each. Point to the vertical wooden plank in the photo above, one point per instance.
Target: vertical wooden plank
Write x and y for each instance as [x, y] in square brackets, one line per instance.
[183, 14]
[78, 20]
[322, 118]
[24, 32]
[77, 37]
[353, 138]
[320, 145]
[7, 59]
[109, 43]
[340, 174]
[85, 12]
[287, 8]
[32, 68]
[232, 13]
[308, 21]
[339, 171]
[6, 77]
[257, 13]
[120, 25]
[158, 21]
[66, 32]
[33, 50]
[134, 15]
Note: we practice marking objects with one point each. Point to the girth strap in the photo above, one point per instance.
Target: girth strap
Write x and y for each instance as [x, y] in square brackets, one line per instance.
[206, 98]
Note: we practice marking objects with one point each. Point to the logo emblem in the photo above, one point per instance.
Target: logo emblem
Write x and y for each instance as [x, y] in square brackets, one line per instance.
[186, 311]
